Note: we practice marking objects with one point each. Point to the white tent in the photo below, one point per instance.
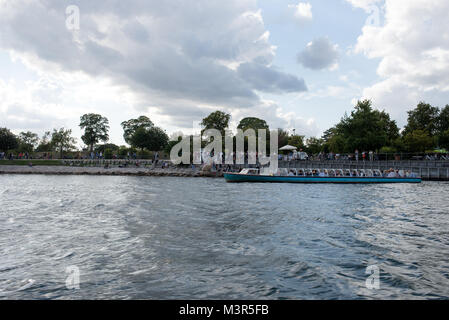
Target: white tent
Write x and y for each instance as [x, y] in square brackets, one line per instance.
[288, 148]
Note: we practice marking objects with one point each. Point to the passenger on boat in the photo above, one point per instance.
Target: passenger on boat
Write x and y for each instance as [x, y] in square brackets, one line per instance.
[354, 173]
[291, 173]
[412, 175]
[301, 173]
[391, 174]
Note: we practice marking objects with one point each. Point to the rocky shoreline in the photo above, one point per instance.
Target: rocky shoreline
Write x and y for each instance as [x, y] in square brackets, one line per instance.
[114, 171]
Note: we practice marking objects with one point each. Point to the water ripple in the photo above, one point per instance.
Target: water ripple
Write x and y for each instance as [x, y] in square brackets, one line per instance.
[183, 238]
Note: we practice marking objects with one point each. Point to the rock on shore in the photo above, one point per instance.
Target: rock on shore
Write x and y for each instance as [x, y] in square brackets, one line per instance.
[115, 171]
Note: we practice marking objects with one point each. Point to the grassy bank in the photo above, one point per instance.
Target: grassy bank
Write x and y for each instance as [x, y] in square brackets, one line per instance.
[34, 162]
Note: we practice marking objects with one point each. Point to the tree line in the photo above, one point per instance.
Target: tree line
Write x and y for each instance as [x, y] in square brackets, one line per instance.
[140, 133]
[364, 129]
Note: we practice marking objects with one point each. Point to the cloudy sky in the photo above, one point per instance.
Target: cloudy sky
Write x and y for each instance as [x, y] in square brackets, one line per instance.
[295, 64]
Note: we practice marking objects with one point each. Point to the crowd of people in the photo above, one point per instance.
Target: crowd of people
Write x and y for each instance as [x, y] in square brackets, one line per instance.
[391, 173]
[12, 156]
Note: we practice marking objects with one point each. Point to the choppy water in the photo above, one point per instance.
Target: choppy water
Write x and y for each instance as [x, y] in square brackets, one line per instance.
[186, 238]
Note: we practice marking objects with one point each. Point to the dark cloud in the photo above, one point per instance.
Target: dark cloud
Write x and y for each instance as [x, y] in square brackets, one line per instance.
[319, 54]
[162, 50]
[267, 79]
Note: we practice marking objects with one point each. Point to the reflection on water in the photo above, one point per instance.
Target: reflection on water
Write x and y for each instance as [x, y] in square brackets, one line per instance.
[186, 238]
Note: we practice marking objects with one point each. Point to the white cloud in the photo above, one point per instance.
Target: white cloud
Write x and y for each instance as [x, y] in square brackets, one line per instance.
[34, 107]
[319, 54]
[413, 48]
[367, 5]
[175, 59]
[277, 118]
[302, 11]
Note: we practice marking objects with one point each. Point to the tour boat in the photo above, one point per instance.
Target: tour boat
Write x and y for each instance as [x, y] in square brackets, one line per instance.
[320, 176]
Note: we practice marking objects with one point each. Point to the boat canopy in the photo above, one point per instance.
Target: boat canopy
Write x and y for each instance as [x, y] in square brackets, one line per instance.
[288, 148]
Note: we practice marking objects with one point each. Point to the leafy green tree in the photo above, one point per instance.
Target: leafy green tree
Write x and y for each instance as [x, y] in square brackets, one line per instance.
[28, 141]
[140, 138]
[158, 139]
[45, 143]
[424, 117]
[296, 141]
[418, 141]
[96, 129]
[314, 145]
[252, 123]
[171, 144]
[389, 127]
[8, 140]
[443, 119]
[443, 128]
[283, 137]
[130, 127]
[216, 120]
[108, 153]
[443, 140]
[364, 129]
[336, 144]
[152, 139]
[103, 147]
[62, 140]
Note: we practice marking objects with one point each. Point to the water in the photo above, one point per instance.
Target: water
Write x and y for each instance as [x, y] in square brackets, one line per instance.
[187, 238]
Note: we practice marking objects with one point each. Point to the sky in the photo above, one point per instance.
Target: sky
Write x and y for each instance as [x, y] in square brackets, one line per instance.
[297, 64]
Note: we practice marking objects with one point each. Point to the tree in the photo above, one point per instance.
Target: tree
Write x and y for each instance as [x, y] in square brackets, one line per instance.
[443, 128]
[216, 120]
[62, 140]
[45, 143]
[314, 145]
[153, 139]
[103, 147]
[365, 129]
[131, 126]
[283, 137]
[8, 140]
[443, 140]
[296, 141]
[443, 119]
[96, 129]
[424, 117]
[172, 143]
[252, 123]
[158, 139]
[418, 141]
[28, 141]
[336, 144]
[140, 138]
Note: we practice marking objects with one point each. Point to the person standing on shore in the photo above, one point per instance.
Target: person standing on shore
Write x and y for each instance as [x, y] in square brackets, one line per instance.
[357, 155]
